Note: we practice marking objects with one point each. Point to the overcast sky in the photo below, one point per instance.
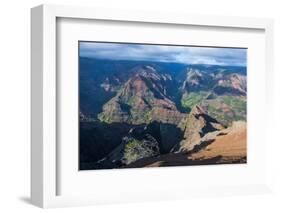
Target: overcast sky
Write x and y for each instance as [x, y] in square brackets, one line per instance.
[181, 54]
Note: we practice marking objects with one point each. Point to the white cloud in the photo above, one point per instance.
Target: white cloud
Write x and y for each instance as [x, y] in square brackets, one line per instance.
[181, 54]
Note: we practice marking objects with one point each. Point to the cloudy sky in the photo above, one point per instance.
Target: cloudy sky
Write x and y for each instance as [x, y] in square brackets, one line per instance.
[164, 53]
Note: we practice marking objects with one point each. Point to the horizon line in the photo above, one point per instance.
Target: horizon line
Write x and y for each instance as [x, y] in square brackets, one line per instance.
[172, 62]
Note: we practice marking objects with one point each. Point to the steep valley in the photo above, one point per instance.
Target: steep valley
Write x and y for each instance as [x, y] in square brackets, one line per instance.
[147, 114]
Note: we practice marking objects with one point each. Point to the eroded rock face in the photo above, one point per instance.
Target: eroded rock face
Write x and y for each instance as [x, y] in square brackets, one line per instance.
[234, 84]
[239, 82]
[196, 126]
[142, 99]
[197, 80]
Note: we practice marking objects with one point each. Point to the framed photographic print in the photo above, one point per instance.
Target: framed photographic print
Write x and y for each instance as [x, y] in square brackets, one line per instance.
[130, 106]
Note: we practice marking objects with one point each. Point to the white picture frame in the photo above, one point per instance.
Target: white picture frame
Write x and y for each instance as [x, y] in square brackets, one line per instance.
[44, 155]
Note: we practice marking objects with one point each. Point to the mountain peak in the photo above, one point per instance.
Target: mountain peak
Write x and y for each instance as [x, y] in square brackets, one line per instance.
[142, 98]
[194, 76]
[196, 125]
[194, 72]
[146, 71]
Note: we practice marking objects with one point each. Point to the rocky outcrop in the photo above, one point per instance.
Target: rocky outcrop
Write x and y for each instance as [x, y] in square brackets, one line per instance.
[230, 144]
[196, 125]
[130, 150]
[219, 147]
[137, 149]
[143, 141]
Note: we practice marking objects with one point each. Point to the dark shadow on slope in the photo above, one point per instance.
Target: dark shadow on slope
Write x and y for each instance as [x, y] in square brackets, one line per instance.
[98, 140]
[208, 127]
[201, 146]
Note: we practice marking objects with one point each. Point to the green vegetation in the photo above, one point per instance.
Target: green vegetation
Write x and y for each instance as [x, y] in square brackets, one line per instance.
[141, 115]
[234, 109]
[130, 100]
[212, 108]
[135, 149]
[132, 144]
[219, 115]
[235, 102]
[193, 98]
[147, 117]
[103, 118]
[132, 151]
[137, 114]
[149, 97]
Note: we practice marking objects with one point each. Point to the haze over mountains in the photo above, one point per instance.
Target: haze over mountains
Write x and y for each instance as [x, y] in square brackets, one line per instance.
[145, 113]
